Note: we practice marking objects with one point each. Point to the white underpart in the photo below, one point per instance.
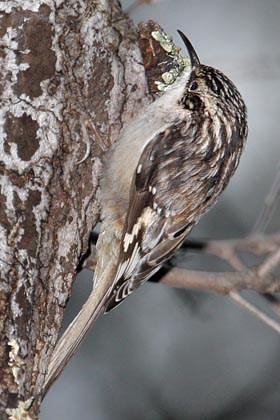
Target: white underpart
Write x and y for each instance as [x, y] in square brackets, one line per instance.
[152, 120]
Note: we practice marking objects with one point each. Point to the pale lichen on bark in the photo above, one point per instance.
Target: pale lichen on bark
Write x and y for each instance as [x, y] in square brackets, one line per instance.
[71, 75]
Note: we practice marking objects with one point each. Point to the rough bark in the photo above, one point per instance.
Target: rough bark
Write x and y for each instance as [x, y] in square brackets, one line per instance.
[71, 75]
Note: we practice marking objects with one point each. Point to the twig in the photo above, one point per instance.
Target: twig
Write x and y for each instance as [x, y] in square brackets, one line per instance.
[255, 311]
[269, 264]
[269, 206]
[229, 253]
[221, 282]
[258, 244]
[262, 282]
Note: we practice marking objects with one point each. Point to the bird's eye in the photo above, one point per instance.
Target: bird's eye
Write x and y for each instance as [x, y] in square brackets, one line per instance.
[194, 86]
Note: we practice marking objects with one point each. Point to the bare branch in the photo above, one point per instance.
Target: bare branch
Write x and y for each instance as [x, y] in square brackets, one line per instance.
[258, 313]
[256, 244]
[270, 263]
[221, 282]
[260, 244]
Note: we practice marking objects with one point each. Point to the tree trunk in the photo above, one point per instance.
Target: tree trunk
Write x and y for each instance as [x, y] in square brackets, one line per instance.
[71, 75]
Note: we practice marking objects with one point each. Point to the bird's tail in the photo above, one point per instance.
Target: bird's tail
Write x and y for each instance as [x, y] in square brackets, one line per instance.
[75, 333]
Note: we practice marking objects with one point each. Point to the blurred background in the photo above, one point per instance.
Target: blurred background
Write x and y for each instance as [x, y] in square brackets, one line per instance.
[169, 354]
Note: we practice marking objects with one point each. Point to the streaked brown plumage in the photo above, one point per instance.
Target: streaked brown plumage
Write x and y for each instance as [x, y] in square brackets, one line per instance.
[166, 170]
[180, 174]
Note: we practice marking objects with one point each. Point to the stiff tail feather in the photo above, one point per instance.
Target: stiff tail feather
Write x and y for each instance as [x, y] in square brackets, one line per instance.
[76, 331]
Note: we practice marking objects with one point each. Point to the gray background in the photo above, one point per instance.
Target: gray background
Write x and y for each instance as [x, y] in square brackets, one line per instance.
[171, 354]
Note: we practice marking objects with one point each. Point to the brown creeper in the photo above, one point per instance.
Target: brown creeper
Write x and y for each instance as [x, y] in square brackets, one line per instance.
[167, 168]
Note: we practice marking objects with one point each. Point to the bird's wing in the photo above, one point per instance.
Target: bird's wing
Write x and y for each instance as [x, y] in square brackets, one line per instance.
[158, 220]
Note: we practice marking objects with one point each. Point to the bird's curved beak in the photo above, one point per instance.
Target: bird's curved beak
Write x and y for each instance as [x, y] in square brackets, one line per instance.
[191, 51]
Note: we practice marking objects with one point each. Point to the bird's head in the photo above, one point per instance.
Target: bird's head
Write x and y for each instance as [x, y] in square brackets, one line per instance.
[209, 91]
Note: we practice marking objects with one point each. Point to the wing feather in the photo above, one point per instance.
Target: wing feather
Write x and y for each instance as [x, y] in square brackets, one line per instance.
[172, 187]
[151, 234]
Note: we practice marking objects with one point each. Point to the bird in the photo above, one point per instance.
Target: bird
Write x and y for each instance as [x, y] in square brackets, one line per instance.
[167, 168]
